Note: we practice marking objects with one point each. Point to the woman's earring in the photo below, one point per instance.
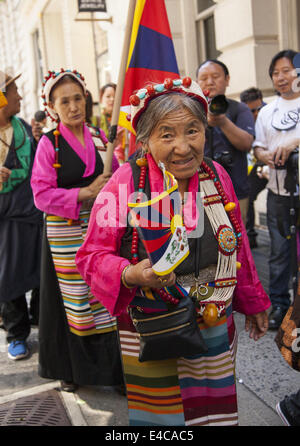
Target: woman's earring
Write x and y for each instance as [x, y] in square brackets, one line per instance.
[142, 161]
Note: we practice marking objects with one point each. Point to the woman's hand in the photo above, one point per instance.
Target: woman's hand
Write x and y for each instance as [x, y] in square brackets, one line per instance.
[91, 191]
[143, 275]
[257, 325]
[98, 184]
[4, 174]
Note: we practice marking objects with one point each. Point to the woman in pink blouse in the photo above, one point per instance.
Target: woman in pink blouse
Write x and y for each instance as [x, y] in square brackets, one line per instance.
[170, 120]
[77, 336]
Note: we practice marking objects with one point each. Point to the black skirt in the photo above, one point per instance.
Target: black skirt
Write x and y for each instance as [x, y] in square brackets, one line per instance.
[84, 360]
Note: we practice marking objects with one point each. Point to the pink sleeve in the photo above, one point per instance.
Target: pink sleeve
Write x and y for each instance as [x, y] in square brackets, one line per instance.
[249, 296]
[47, 196]
[98, 259]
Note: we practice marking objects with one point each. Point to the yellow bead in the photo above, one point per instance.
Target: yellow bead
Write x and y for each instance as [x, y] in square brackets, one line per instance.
[70, 221]
[238, 266]
[141, 162]
[56, 133]
[210, 315]
[229, 206]
[57, 166]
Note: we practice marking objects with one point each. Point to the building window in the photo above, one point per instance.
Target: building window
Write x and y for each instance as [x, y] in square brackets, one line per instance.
[205, 30]
[102, 57]
[202, 5]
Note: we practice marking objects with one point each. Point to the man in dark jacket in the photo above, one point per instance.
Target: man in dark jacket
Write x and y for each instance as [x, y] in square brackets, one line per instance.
[20, 221]
[230, 134]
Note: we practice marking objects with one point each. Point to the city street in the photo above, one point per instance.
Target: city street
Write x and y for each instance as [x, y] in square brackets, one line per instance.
[263, 378]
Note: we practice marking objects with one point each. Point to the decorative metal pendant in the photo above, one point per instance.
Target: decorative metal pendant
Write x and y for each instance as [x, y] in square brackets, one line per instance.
[200, 291]
[227, 240]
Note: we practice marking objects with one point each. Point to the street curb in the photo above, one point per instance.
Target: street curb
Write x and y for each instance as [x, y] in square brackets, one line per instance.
[27, 392]
[73, 409]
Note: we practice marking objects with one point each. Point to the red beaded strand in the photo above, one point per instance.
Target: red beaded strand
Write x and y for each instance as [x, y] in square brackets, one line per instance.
[225, 201]
[166, 297]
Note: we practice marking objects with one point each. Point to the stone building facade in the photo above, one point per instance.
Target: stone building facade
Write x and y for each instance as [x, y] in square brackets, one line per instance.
[38, 35]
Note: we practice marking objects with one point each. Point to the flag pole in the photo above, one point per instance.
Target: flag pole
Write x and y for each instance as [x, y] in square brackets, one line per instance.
[119, 89]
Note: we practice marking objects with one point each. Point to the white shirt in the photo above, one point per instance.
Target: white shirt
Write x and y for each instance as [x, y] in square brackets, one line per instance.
[279, 114]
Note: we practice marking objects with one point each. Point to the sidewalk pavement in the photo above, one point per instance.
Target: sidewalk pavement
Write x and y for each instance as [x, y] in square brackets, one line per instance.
[263, 378]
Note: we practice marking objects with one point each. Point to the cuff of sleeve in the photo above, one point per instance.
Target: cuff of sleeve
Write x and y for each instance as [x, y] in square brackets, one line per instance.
[245, 302]
[118, 297]
[125, 294]
[72, 206]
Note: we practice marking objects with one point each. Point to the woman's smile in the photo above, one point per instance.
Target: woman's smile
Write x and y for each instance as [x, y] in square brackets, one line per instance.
[185, 162]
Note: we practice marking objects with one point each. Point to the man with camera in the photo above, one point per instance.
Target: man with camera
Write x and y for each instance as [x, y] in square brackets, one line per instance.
[277, 131]
[230, 132]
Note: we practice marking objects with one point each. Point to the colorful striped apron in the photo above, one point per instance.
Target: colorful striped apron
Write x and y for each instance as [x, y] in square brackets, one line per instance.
[195, 391]
[85, 314]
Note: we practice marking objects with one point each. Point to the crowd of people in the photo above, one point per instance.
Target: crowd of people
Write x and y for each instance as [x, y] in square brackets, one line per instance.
[87, 277]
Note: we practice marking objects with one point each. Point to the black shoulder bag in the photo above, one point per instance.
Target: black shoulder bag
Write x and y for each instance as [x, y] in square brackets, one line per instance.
[171, 334]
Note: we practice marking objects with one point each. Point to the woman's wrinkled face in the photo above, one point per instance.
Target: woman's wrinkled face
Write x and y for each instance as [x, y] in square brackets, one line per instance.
[69, 103]
[107, 100]
[178, 142]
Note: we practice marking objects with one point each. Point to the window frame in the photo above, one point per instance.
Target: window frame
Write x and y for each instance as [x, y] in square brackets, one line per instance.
[200, 30]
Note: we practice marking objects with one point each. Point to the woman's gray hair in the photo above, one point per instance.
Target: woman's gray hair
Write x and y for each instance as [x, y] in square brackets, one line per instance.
[163, 105]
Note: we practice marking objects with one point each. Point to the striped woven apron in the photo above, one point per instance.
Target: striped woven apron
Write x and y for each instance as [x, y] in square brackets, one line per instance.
[195, 391]
[85, 314]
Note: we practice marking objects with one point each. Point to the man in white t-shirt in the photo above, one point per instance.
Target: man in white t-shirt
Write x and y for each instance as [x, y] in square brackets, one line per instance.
[277, 131]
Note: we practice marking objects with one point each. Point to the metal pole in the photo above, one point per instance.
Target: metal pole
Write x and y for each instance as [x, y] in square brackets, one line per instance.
[120, 85]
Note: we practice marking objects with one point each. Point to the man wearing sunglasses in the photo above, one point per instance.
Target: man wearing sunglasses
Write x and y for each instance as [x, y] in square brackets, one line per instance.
[277, 132]
[253, 97]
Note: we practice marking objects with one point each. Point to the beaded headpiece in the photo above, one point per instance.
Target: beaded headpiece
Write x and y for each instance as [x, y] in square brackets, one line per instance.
[50, 80]
[140, 100]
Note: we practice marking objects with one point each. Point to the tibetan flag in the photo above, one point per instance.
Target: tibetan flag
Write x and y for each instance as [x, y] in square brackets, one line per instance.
[151, 55]
[160, 226]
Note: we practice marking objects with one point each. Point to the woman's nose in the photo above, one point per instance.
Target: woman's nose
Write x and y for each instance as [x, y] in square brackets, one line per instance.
[181, 145]
[73, 105]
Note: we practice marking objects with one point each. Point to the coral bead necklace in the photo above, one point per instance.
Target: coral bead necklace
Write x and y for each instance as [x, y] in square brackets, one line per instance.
[165, 296]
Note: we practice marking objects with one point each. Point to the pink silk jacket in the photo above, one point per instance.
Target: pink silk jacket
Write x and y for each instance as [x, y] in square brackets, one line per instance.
[47, 196]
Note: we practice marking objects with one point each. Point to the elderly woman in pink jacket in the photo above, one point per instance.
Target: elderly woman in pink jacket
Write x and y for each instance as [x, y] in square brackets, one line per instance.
[216, 270]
